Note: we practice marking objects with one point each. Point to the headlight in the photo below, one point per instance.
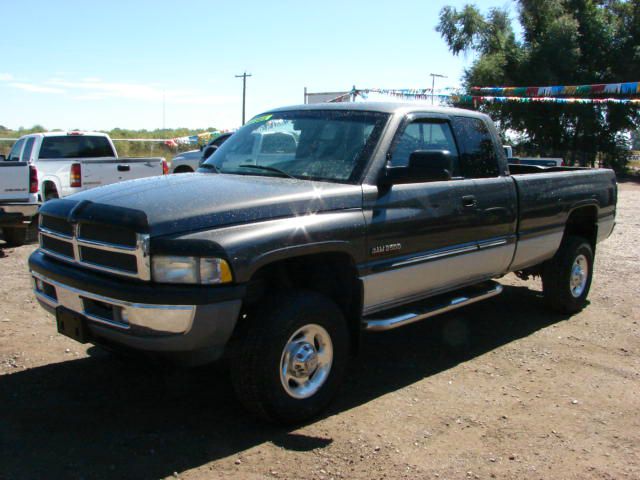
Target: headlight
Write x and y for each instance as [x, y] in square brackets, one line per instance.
[205, 270]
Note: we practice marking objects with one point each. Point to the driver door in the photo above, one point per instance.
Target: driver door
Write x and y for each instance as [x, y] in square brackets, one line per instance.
[421, 236]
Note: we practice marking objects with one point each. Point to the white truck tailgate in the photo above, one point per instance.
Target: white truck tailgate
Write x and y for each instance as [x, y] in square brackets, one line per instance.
[14, 181]
[98, 172]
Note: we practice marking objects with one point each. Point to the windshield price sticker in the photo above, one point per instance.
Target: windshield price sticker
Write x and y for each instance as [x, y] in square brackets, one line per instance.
[260, 119]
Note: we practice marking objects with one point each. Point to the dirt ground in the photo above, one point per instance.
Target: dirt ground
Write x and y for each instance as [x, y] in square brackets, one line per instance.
[501, 389]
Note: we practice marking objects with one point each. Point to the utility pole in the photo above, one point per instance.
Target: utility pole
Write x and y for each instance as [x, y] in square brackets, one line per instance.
[433, 83]
[244, 91]
[164, 110]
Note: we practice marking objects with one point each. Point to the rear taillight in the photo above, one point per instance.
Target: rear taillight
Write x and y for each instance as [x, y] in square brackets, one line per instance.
[33, 179]
[165, 167]
[76, 175]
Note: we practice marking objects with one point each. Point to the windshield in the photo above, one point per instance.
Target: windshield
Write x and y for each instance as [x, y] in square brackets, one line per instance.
[331, 145]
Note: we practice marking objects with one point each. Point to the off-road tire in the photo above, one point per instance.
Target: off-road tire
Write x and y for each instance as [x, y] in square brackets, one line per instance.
[556, 275]
[257, 352]
[14, 236]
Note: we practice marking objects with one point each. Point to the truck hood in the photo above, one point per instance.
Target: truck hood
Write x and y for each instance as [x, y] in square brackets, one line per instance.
[194, 201]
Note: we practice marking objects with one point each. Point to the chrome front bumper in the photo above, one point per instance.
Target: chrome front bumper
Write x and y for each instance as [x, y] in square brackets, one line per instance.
[147, 319]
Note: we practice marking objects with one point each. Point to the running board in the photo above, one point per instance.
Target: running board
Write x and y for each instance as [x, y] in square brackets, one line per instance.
[432, 307]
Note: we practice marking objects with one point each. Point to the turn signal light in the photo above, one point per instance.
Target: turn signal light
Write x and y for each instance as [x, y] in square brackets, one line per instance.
[76, 175]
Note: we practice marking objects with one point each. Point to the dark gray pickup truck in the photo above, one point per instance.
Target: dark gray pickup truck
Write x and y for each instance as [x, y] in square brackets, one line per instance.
[360, 217]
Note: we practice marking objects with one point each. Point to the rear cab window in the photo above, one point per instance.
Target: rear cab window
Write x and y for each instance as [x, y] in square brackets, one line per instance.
[76, 146]
[28, 148]
[14, 154]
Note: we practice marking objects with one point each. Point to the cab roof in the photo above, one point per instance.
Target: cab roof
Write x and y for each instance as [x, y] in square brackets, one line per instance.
[382, 107]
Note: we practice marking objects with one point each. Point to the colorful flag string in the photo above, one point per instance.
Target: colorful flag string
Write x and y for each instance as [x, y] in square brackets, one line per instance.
[465, 99]
[625, 88]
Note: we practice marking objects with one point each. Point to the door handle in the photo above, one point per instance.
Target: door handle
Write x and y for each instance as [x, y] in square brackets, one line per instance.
[124, 168]
[469, 201]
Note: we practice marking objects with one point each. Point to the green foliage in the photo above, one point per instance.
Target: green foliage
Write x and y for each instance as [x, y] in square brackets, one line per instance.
[564, 42]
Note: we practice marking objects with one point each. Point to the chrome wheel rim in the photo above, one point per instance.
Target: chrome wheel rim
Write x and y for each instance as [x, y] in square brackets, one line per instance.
[306, 361]
[579, 276]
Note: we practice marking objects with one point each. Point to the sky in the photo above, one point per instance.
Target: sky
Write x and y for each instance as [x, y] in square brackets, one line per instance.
[152, 64]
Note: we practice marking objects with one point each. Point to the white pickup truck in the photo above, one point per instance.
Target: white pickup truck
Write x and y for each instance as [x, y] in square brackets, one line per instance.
[18, 199]
[70, 162]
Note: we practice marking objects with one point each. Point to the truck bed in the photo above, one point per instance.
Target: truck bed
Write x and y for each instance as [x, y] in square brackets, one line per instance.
[546, 199]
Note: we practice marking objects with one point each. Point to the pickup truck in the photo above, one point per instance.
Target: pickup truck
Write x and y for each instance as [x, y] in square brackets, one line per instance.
[18, 198]
[70, 162]
[188, 162]
[381, 216]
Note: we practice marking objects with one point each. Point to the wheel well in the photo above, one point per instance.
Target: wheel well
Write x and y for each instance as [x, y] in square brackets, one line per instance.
[332, 274]
[583, 222]
[48, 187]
[183, 169]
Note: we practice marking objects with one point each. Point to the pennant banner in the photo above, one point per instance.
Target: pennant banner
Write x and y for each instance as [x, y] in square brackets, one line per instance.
[406, 93]
[491, 99]
[628, 88]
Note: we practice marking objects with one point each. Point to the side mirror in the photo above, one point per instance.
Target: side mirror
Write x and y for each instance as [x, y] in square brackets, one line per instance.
[424, 166]
[2, 158]
[208, 151]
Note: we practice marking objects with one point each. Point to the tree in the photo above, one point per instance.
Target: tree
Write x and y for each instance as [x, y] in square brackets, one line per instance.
[563, 42]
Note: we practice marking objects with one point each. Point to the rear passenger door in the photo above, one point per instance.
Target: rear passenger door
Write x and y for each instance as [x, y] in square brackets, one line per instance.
[494, 193]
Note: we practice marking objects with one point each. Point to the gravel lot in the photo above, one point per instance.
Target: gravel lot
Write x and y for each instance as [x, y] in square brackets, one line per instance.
[501, 389]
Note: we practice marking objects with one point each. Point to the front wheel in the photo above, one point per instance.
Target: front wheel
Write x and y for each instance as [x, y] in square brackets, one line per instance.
[291, 357]
[566, 278]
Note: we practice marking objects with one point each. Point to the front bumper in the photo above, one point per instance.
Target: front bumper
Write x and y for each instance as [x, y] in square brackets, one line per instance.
[180, 324]
[17, 213]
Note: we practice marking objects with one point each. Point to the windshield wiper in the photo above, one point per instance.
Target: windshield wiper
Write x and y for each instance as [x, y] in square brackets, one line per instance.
[269, 169]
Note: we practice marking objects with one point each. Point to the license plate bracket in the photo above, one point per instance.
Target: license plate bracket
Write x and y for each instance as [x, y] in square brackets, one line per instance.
[72, 325]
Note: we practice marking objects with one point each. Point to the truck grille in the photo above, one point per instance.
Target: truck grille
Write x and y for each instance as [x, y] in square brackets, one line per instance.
[106, 248]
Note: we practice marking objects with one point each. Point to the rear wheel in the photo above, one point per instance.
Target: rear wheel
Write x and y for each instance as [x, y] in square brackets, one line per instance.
[566, 278]
[291, 357]
[14, 236]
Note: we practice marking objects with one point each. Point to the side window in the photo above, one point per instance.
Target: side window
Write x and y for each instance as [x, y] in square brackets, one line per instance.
[14, 154]
[424, 135]
[478, 157]
[28, 147]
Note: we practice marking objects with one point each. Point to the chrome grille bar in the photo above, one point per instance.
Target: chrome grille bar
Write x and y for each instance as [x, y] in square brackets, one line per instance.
[140, 252]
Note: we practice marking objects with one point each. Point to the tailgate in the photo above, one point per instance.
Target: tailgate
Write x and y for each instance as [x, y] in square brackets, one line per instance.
[14, 182]
[96, 173]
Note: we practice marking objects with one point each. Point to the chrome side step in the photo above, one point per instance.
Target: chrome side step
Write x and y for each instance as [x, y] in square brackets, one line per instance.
[430, 308]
